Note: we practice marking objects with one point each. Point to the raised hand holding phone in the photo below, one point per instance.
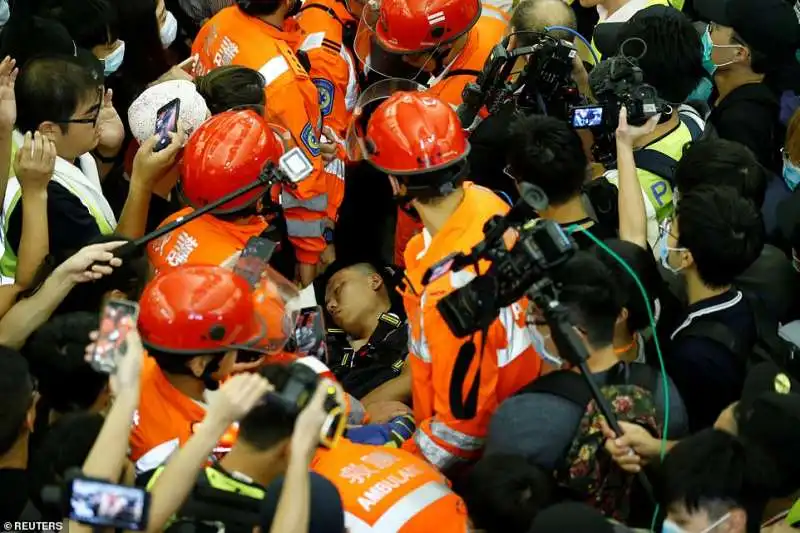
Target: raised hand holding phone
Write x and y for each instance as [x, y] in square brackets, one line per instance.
[117, 321]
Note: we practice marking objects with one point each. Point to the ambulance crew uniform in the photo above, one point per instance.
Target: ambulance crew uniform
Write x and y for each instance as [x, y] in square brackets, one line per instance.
[226, 153]
[232, 37]
[420, 26]
[326, 25]
[385, 489]
[186, 312]
[418, 139]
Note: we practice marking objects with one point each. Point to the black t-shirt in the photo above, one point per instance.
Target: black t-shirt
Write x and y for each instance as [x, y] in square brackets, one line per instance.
[750, 115]
[13, 493]
[70, 225]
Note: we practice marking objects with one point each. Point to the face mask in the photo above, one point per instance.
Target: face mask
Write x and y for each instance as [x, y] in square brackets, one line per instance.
[708, 46]
[671, 527]
[4, 13]
[664, 253]
[169, 30]
[791, 174]
[540, 345]
[113, 61]
[701, 93]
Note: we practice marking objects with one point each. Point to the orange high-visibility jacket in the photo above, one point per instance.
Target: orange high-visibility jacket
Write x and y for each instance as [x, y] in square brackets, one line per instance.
[333, 71]
[509, 360]
[206, 240]
[385, 489]
[232, 37]
[487, 32]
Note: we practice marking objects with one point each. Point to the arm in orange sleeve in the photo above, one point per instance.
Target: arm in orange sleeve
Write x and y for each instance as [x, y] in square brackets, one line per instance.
[305, 207]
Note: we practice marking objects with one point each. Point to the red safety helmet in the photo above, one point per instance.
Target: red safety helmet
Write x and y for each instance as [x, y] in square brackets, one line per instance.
[410, 133]
[227, 152]
[415, 26]
[198, 309]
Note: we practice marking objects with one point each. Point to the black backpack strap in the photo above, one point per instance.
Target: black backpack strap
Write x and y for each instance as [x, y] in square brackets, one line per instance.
[654, 161]
[638, 374]
[694, 129]
[462, 72]
[562, 383]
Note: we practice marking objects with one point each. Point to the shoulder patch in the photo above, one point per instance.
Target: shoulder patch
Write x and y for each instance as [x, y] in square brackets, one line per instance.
[310, 140]
[326, 92]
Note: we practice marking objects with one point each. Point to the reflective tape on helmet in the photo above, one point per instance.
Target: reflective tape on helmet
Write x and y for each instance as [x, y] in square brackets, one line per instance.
[459, 440]
[402, 512]
[435, 454]
[302, 228]
[317, 203]
[273, 69]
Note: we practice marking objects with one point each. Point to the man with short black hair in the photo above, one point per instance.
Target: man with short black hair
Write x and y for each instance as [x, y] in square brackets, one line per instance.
[714, 236]
[548, 153]
[18, 399]
[746, 46]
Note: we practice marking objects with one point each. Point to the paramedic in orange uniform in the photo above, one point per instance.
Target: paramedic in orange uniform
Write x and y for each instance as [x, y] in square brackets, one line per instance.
[448, 39]
[225, 153]
[252, 34]
[192, 320]
[385, 489]
[327, 26]
[418, 141]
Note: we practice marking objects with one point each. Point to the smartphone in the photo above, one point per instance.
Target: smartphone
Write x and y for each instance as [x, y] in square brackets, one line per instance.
[310, 334]
[254, 259]
[588, 116]
[166, 122]
[116, 321]
[104, 504]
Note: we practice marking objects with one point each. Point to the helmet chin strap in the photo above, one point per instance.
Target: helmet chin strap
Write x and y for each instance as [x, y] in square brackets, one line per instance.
[212, 366]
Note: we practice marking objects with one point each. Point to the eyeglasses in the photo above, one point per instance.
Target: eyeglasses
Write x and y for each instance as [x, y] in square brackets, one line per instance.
[88, 120]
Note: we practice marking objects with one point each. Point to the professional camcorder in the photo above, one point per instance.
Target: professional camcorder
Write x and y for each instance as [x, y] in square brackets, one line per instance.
[615, 82]
[544, 86]
[540, 246]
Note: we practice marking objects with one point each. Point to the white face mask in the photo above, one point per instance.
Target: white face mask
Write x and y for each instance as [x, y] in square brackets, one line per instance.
[540, 345]
[169, 31]
[113, 61]
[671, 527]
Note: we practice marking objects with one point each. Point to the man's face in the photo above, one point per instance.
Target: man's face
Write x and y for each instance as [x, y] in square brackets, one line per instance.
[350, 296]
[699, 520]
[81, 134]
[725, 49]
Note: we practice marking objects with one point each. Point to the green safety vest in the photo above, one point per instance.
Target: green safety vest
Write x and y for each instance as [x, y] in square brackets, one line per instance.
[8, 261]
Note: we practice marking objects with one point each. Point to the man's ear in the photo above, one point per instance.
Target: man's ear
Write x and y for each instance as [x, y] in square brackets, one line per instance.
[198, 364]
[623, 316]
[375, 282]
[51, 130]
[687, 259]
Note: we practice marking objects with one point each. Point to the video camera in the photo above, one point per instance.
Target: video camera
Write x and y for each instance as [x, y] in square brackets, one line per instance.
[615, 82]
[544, 86]
[540, 246]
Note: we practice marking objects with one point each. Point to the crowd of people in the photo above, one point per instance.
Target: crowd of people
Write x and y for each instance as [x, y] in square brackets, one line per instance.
[232, 231]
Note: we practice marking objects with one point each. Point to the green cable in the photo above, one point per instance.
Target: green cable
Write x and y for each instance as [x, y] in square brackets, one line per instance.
[651, 317]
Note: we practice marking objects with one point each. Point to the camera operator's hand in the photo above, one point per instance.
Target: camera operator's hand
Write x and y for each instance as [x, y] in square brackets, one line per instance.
[633, 449]
[628, 135]
[306, 436]
[235, 398]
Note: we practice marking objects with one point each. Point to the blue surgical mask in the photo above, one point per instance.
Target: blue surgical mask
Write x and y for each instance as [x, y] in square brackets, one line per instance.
[791, 174]
[702, 92]
[664, 255]
[169, 31]
[113, 61]
[671, 527]
[708, 46]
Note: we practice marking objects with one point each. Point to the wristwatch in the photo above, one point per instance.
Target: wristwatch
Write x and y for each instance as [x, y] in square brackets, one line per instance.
[327, 233]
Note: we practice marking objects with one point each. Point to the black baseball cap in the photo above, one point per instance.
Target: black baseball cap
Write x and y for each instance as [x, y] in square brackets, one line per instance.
[768, 26]
[607, 34]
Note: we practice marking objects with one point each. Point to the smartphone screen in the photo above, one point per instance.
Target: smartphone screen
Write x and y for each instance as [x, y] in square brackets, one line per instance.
[587, 116]
[117, 320]
[104, 504]
[254, 259]
[166, 122]
[310, 334]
